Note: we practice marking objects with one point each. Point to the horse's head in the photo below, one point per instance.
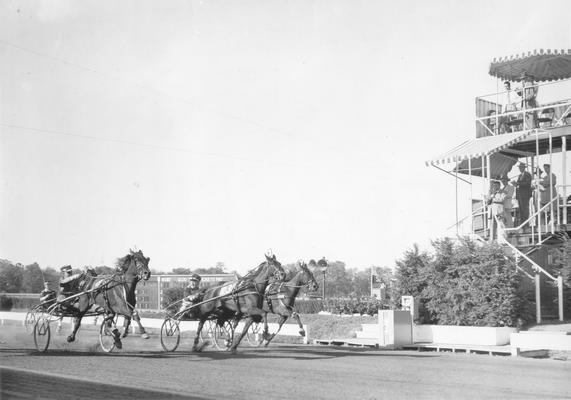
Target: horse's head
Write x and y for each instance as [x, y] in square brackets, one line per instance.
[135, 264]
[307, 278]
[274, 268]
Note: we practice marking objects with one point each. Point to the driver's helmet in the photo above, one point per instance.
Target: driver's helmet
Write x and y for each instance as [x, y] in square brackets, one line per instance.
[66, 270]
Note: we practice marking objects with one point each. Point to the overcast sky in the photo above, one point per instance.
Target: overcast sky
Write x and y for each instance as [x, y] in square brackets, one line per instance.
[211, 131]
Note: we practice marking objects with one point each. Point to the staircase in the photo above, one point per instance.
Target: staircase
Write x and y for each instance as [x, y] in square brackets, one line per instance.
[543, 281]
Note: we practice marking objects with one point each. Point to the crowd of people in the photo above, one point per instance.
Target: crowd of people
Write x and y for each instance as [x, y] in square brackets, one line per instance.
[504, 213]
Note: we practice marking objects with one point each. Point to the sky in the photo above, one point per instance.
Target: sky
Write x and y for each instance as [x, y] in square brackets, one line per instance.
[211, 131]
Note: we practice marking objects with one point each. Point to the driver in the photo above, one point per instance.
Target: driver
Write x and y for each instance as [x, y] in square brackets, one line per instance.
[192, 293]
[47, 296]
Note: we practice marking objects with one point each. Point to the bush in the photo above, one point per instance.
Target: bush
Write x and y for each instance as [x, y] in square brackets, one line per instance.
[170, 296]
[6, 303]
[308, 306]
[466, 283]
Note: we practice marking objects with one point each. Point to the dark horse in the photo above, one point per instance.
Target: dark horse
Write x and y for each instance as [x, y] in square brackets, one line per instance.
[280, 299]
[243, 299]
[112, 294]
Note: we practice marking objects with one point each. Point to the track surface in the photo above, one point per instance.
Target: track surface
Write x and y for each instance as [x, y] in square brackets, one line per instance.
[142, 370]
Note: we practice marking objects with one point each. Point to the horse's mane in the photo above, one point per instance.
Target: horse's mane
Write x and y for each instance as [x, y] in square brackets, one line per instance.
[121, 264]
[252, 273]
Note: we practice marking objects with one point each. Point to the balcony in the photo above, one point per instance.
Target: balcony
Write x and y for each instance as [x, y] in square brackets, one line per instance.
[507, 112]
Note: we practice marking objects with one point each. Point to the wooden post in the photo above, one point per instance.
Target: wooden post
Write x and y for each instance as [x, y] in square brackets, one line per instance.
[560, 296]
[537, 299]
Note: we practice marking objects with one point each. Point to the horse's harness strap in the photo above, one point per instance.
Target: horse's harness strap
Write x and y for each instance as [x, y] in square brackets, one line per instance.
[268, 298]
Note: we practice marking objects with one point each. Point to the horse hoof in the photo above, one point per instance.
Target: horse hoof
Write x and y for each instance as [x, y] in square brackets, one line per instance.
[302, 333]
[70, 339]
[124, 335]
[144, 335]
[117, 339]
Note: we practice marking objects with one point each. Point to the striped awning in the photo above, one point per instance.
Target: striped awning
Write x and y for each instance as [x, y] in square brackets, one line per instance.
[479, 147]
[541, 65]
[500, 165]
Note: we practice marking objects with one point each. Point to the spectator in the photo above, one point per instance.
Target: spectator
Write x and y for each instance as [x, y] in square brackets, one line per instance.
[547, 189]
[509, 194]
[529, 100]
[491, 122]
[510, 104]
[523, 193]
[496, 202]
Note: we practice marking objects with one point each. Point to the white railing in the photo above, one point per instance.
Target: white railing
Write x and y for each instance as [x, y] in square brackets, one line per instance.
[491, 114]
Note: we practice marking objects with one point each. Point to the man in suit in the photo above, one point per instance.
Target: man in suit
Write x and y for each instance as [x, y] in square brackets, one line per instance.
[523, 193]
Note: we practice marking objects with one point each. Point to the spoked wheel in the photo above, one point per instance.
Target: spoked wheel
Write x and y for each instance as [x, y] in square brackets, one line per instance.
[207, 332]
[223, 335]
[42, 334]
[30, 321]
[170, 334]
[255, 335]
[106, 337]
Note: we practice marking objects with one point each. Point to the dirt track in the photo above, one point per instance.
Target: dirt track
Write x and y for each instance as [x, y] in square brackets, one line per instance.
[142, 370]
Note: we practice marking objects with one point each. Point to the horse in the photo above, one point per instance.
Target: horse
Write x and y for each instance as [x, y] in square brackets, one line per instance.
[114, 294]
[243, 299]
[280, 299]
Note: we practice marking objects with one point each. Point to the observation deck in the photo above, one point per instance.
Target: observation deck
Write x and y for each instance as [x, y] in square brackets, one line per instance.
[523, 127]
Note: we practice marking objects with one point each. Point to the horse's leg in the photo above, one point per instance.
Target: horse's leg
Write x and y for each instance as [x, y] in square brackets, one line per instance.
[142, 330]
[266, 331]
[76, 324]
[237, 341]
[195, 346]
[281, 321]
[298, 319]
[126, 326]
[114, 331]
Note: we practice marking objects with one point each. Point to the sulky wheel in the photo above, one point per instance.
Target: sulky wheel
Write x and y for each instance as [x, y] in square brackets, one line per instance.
[170, 334]
[207, 332]
[255, 335]
[30, 321]
[42, 334]
[106, 337]
[223, 335]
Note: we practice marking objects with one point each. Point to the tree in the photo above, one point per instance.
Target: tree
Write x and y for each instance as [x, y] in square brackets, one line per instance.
[32, 279]
[337, 280]
[180, 271]
[10, 277]
[411, 271]
[360, 283]
[211, 270]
